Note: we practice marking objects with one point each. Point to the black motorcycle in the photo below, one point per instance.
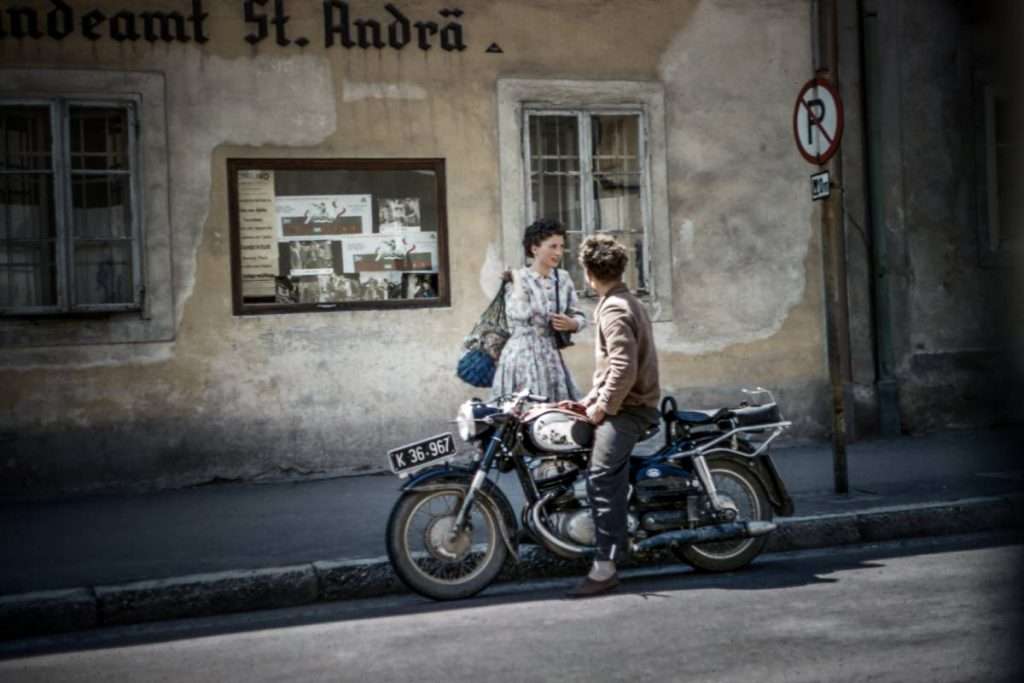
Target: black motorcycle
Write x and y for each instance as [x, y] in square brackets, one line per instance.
[709, 494]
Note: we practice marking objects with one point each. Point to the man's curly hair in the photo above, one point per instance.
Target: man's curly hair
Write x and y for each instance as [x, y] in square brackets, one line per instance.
[605, 257]
[538, 231]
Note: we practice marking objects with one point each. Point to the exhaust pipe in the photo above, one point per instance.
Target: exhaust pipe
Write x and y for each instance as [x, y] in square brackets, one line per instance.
[706, 534]
[570, 551]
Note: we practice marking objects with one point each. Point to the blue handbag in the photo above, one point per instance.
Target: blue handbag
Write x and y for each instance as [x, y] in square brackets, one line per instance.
[476, 367]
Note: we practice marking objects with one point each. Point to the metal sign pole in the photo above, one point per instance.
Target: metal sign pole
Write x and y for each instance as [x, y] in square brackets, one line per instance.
[834, 252]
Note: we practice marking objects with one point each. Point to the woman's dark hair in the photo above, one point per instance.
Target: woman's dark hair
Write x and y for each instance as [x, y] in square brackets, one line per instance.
[538, 231]
[604, 257]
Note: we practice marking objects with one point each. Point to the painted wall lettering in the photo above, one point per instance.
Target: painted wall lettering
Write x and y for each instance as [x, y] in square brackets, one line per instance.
[341, 29]
[62, 20]
[392, 29]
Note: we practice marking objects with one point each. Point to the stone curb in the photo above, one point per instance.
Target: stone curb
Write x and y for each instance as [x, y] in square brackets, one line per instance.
[198, 595]
[33, 614]
[201, 595]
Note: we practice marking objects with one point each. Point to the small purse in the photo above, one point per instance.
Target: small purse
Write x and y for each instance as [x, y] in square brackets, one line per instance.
[482, 348]
[562, 339]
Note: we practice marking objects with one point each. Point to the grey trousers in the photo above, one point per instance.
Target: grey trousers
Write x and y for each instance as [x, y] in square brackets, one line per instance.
[608, 483]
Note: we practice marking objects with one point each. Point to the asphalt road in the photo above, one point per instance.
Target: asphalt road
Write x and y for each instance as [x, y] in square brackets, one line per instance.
[933, 610]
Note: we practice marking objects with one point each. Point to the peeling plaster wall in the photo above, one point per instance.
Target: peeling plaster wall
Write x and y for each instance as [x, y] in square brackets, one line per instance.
[266, 397]
[743, 226]
[747, 279]
[293, 105]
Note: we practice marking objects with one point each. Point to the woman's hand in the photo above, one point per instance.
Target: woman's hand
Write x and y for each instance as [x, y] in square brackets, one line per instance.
[564, 323]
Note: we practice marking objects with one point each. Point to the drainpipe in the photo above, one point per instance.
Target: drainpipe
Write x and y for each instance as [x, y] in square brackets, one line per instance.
[887, 388]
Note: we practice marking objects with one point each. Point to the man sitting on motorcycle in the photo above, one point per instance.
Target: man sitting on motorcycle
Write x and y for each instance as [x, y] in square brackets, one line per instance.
[623, 402]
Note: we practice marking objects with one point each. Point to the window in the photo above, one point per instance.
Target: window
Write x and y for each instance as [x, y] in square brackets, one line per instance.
[330, 234]
[586, 170]
[69, 226]
[591, 154]
[1001, 208]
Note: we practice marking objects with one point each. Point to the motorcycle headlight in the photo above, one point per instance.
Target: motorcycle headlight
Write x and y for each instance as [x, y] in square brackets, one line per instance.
[470, 419]
[466, 421]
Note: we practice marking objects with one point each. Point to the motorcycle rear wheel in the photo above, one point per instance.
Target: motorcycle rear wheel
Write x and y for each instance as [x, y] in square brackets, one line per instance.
[425, 557]
[742, 487]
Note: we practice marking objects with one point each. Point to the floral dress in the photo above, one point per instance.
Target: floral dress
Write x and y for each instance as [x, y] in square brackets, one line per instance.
[530, 359]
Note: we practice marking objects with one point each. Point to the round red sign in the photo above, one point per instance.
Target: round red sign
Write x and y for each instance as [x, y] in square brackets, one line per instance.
[818, 121]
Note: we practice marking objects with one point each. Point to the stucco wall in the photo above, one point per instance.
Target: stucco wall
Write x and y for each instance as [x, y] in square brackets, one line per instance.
[953, 347]
[316, 394]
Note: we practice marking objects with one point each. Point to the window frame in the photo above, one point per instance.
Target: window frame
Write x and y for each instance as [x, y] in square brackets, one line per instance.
[585, 140]
[435, 165]
[513, 94]
[995, 249]
[61, 172]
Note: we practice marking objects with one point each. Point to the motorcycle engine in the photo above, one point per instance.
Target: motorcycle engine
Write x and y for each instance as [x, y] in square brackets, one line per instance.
[578, 525]
[546, 471]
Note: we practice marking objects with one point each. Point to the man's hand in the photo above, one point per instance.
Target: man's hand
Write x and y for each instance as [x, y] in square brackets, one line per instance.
[596, 414]
[574, 406]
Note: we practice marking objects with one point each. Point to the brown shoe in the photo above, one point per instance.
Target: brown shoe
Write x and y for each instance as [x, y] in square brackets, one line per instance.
[588, 587]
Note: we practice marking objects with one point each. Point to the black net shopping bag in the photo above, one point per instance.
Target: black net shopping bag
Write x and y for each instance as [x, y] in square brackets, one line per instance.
[482, 348]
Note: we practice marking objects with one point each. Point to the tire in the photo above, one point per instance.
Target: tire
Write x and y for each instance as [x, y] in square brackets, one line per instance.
[431, 565]
[744, 488]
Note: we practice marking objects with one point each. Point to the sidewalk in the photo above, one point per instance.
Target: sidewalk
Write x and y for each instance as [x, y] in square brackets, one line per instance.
[126, 558]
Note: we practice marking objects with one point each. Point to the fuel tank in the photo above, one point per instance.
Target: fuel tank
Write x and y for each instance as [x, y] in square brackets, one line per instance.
[554, 430]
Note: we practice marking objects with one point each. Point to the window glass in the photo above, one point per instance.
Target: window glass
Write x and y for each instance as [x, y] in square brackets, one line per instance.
[1010, 204]
[28, 264]
[103, 272]
[555, 169]
[25, 138]
[101, 213]
[98, 138]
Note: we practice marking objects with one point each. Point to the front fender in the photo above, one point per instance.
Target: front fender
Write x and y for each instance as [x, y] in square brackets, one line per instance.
[461, 478]
[432, 473]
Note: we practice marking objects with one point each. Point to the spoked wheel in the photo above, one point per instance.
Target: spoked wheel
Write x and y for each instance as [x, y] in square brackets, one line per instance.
[432, 560]
[741, 490]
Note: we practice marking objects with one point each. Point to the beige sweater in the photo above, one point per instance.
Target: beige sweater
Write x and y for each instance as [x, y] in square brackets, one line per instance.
[626, 372]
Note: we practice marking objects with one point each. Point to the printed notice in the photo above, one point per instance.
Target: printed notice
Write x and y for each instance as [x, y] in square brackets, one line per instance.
[257, 219]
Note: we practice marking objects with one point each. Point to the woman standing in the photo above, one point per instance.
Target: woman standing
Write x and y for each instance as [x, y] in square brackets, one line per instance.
[530, 358]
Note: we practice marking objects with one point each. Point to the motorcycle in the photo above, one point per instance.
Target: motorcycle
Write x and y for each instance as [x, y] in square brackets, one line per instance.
[708, 495]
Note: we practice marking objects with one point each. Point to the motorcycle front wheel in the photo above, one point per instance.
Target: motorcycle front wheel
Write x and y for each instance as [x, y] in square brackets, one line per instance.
[431, 560]
[737, 485]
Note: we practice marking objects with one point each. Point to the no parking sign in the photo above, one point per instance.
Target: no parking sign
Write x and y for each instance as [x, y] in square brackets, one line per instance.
[818, 121]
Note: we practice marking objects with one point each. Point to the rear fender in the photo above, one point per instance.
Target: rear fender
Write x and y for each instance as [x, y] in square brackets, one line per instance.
[460, 478]
[763, 468]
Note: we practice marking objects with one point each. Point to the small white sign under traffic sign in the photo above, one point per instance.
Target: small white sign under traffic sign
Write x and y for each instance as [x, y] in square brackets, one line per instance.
[818, 121]
[821, 186]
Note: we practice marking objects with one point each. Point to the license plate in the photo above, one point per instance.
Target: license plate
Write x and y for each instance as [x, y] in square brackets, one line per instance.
[427, 452]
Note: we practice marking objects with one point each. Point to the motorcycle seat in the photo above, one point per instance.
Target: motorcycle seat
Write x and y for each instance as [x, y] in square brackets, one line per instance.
[700, 417]
[745, 417]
